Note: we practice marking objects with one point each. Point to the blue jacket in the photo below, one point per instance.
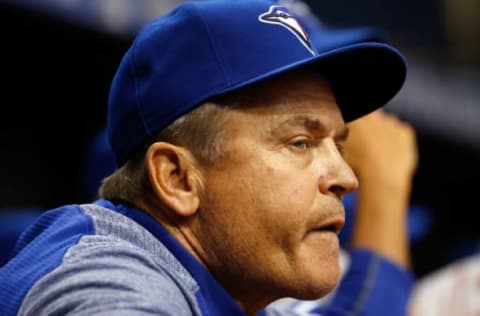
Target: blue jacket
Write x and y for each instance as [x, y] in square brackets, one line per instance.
[105, 259]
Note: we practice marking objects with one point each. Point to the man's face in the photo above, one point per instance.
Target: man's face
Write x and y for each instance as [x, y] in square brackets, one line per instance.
[272, 206]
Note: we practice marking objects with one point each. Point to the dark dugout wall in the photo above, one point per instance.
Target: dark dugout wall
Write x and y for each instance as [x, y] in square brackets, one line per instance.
[55, 80]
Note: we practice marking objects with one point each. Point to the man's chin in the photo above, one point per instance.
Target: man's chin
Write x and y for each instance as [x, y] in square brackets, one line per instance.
[317, 286]
[317, 293]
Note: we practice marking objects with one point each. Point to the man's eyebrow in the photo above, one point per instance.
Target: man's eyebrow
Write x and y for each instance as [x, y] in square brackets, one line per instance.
[301, 121]
[311, 124]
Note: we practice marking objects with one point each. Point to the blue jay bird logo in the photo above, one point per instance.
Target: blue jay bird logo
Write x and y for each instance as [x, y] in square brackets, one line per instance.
[281, 16]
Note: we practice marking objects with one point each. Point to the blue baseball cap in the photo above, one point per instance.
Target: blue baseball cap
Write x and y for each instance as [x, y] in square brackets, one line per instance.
[204, 49]
[325, 39]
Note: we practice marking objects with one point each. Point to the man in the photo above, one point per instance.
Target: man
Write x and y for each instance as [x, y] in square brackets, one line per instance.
[227, 127]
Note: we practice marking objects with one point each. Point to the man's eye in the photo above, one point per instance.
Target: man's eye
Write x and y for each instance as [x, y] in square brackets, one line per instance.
[301, 144]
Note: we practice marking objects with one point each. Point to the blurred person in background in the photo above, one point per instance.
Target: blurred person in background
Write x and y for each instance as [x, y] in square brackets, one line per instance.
[452, 290]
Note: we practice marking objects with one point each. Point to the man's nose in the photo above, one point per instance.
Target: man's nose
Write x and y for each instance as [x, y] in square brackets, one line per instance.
[339, 178]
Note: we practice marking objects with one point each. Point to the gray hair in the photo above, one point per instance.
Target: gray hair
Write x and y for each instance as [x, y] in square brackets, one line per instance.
[201, 131]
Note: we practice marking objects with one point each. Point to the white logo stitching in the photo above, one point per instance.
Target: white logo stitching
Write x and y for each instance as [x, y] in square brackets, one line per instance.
[281, 16]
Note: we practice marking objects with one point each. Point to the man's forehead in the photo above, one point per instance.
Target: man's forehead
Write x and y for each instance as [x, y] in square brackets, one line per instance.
[302, 121]
[313, 124]
[300, 98]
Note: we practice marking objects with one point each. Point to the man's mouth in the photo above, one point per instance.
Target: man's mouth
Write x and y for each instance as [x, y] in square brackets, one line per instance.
[333, 225]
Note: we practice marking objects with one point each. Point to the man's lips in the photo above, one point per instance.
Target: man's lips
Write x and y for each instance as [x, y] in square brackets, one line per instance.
[333, 224]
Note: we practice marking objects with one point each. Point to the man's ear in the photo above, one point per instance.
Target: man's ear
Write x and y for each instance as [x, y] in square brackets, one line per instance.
[174, 177]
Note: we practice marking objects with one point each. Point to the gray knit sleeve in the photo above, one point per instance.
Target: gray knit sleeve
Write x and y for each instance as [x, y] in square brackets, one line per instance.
[101, 277]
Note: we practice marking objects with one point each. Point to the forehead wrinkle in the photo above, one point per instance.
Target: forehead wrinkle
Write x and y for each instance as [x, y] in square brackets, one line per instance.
[303, 121]
[311, 124]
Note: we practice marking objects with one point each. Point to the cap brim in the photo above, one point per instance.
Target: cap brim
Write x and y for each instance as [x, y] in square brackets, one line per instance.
[363, 77]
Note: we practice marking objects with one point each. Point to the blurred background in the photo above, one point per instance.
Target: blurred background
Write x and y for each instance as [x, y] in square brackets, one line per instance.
[58, 57]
